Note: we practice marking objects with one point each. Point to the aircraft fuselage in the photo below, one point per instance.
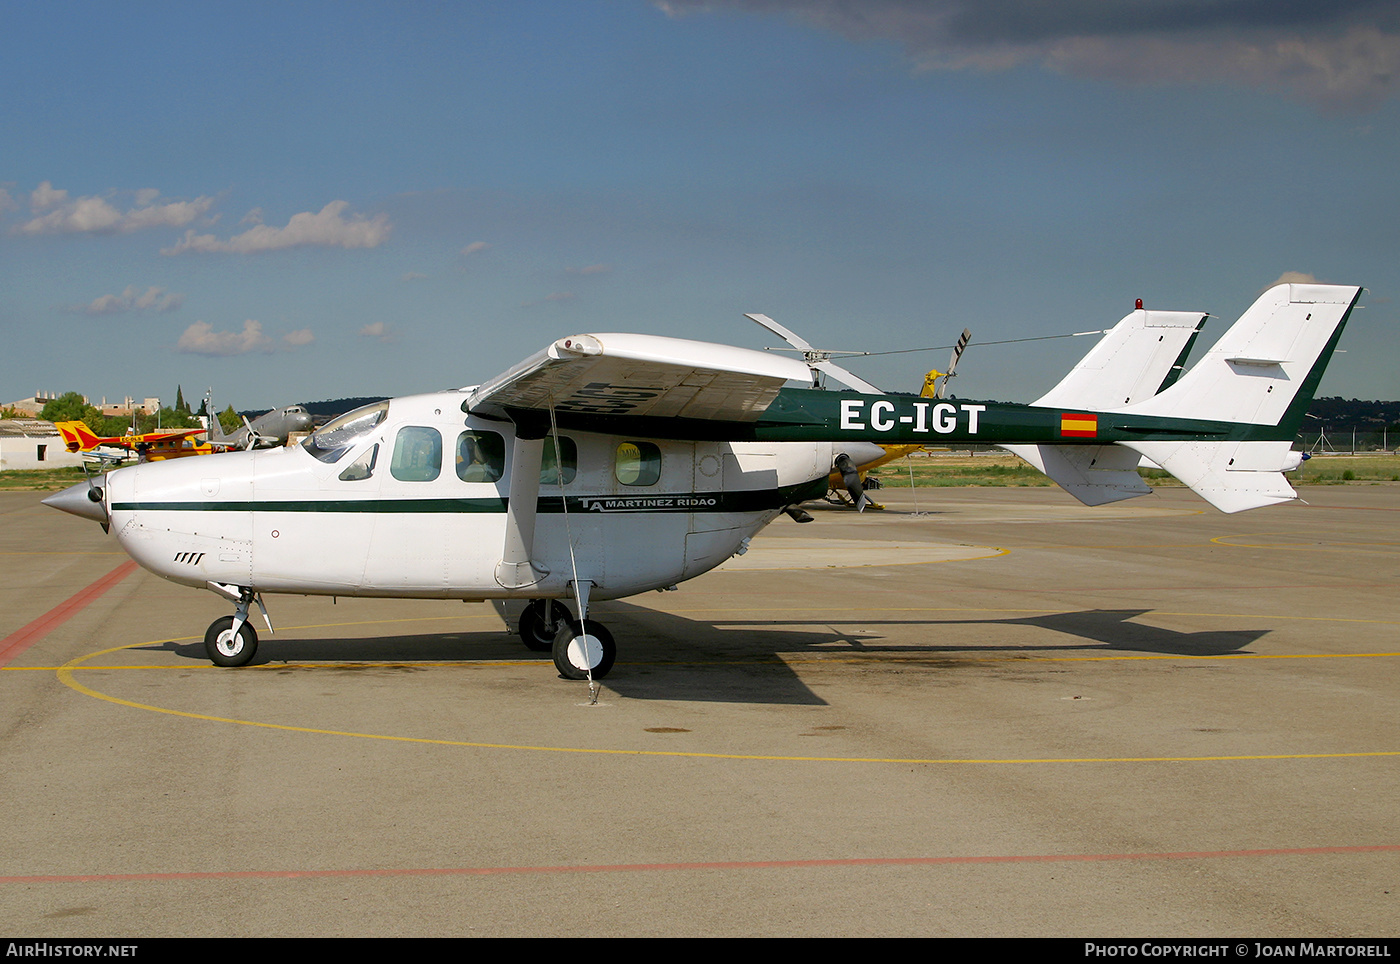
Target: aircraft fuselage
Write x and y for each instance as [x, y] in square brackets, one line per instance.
[417, 507]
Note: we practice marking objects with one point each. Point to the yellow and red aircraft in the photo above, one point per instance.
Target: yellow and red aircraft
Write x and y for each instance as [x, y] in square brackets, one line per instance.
[148, 446]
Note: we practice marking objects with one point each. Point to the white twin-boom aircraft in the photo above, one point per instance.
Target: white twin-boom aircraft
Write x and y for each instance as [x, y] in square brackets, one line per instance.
[611, 464]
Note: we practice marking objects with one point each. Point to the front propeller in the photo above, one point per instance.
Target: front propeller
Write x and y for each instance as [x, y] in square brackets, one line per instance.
[86, 499]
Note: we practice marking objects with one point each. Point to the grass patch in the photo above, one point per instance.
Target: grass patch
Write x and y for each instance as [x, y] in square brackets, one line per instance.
[1337, 469]
[994, 469]
[1005, 469]
[41, 480]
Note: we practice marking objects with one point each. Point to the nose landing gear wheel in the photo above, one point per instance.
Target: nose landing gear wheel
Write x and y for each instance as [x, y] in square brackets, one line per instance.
[577, 651]
[227, 648]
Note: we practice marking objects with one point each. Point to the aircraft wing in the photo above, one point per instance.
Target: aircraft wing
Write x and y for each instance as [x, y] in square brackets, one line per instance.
[162, 436]
[641, 375]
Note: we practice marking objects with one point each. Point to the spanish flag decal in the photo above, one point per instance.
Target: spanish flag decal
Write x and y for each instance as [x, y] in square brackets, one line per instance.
[1079, 426]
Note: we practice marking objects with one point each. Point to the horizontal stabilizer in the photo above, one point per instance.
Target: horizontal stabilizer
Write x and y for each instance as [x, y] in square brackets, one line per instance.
[1095, 475]
[1262, 374]
[1134, 360]
[1232, 476]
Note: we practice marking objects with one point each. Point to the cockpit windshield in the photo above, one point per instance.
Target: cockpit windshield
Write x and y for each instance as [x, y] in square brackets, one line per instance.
[332, 440]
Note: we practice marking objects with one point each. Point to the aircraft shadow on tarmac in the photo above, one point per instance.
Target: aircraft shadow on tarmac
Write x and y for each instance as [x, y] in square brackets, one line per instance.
[671, 657]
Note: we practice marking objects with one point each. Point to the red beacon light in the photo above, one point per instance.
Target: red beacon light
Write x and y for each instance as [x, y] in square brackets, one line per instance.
[1139, 304]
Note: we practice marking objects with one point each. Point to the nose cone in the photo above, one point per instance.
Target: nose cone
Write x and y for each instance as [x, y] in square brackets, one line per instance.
[83, 499]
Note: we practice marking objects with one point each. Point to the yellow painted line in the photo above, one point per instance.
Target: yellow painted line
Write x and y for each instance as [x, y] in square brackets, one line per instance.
[833, 657]
[65, 675]
[941, 656]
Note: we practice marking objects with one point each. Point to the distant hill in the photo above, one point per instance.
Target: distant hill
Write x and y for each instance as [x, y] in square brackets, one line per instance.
[325, 411]
[1352, 411]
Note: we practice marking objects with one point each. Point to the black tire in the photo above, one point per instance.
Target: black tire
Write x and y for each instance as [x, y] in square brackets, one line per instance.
[225, 649]
[541, 622]
[568, 656]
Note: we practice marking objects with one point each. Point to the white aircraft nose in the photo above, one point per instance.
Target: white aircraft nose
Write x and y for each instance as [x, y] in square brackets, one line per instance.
[83, 499]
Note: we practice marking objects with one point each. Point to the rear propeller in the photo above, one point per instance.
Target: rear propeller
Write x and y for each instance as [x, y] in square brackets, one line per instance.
[850, 478]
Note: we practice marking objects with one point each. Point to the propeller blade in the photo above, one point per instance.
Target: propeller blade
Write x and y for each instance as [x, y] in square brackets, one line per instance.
[850, 478]
[252, 436]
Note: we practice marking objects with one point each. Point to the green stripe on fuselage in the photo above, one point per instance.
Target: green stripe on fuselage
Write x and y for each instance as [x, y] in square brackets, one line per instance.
[631, 502]
[811, 415]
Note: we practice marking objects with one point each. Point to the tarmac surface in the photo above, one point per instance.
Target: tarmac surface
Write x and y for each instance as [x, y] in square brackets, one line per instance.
[979, 712]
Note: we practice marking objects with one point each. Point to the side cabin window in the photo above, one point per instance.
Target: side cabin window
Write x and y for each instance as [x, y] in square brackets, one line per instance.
[362, 467]
[637, 463]
[417, 454]
[481, 457]
[567, 453]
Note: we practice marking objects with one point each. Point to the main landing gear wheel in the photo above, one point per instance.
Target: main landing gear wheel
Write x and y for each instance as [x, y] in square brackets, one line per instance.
[227, 648]
[541, 622]
[576, 651]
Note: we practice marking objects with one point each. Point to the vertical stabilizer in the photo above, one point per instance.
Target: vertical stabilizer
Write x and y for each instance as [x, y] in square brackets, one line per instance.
[1262, 374]
[1134, 360]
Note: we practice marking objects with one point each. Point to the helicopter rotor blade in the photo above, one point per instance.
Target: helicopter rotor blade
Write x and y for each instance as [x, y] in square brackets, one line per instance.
[787, 335]
[958, 350]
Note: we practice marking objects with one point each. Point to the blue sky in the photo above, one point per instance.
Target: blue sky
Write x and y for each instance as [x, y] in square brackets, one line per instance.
[294, 201]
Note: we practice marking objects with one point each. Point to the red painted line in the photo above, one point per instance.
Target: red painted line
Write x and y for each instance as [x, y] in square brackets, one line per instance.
[20, 640]
[716, 865]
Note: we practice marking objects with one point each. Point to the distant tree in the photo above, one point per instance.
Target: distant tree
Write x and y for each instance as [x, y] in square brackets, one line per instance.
[180, 404]
[229, 420]
[174, 418]
[9, 412]
[70, 407]
[113, 425]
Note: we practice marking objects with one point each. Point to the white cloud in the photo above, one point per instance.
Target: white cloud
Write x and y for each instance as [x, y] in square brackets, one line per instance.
[380, 332]
[591, 269]
[132, 299]
[1340, 55]
[295, 339]
[1292, 278]
[476, 247]
[413, 276]
[45, 197]
[200, 338]
[56, 213]
[327, 228]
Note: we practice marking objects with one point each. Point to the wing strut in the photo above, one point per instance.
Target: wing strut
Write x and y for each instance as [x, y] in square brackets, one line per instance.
[517, 569]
